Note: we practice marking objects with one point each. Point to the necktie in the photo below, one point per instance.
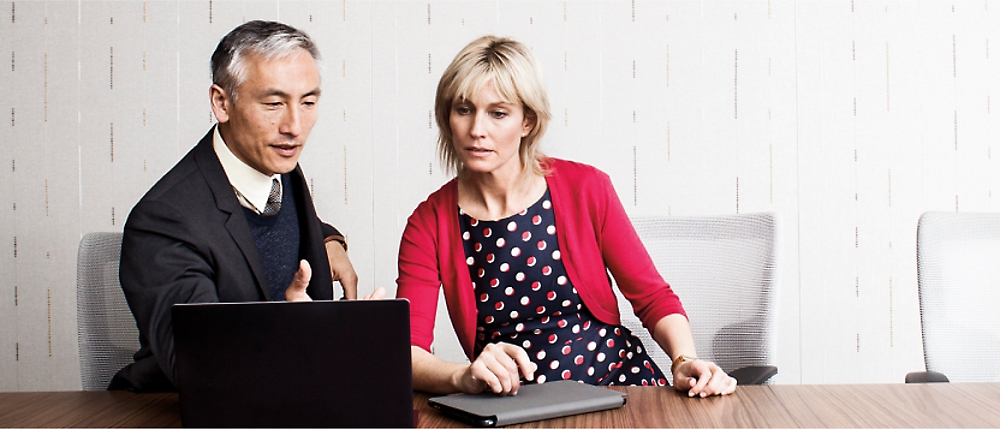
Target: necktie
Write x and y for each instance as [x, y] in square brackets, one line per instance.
[273, 199]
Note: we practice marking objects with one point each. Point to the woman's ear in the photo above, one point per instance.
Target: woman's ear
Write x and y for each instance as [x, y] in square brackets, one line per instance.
[220, 103]
[528, 124]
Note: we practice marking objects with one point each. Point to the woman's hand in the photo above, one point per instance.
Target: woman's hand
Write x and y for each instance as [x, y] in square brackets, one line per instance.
[497, 370]
[702, 378]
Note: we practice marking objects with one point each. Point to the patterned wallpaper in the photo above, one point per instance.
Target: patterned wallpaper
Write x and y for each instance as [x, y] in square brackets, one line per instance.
[848, 118]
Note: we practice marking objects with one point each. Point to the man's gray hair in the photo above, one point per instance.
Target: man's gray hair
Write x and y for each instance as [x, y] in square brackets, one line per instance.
[269, 39]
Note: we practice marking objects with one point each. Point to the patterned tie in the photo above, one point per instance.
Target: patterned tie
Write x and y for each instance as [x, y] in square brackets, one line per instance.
[273, 200]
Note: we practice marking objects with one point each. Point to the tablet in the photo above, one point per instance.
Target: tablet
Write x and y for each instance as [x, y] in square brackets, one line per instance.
[532, 402]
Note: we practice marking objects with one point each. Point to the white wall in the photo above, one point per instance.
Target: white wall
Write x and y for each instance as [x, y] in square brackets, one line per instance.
[848, 118]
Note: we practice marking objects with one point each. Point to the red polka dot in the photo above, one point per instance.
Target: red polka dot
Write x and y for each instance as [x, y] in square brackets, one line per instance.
[562, 323]
[531, 261]
[536, 220]
[526, 235]
[578, 360]
[535, 285]
[541, 245]
[551, 295]
[540, 309]
[474, 222]
[499, 306]
[565, 374]
[611, 342]
[489, 319]
[478, 246]
[566, 350]
[494, 282]
[487, 232]
[490, 258]
[481, 272]
[553, 338]
[484, 297]
[545, 320]
[546, 270]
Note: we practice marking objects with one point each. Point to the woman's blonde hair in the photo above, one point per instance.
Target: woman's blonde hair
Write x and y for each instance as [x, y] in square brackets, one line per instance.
[511, 68]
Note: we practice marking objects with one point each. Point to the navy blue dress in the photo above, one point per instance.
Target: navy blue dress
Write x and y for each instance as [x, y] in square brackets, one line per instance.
[524, 297]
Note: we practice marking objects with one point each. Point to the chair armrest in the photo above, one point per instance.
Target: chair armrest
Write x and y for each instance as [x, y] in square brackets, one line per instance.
[926, 377]
[750, 375]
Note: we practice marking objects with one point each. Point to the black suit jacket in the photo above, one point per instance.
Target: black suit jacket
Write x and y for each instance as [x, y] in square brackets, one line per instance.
[188, 240]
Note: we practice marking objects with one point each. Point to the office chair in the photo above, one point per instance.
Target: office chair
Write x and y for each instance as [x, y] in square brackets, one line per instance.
[106, 329]
[724, 269]
[958, 276]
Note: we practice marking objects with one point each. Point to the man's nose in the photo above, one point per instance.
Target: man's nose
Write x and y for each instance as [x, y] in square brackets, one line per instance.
[291, 121]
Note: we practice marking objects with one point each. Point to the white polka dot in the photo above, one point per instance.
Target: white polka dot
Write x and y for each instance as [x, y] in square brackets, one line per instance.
[525, 300]
[469, 260]
[515, 251]
[551, 230]
[554, 364]
[556, 255]
[466, 236]
[504, 267]
[567, 303]
[526, 344]
[576, 329]
[501, 242]
[519, 276]
[519, 327]
[561, 281]
[512, 226]
[622, 378]
[590, 371]
[540, 379]
[638, 349]
[603, 332]
[537, 332]
[514, 314]
[629, 355]
[601, 357]
[509, 291]
[546, 204]
[540, 355]
[592, 346]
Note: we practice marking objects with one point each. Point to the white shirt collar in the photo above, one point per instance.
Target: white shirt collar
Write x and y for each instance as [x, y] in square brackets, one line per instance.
[253, 185]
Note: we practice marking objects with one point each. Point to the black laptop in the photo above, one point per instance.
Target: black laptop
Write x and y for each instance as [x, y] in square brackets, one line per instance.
[294, 364]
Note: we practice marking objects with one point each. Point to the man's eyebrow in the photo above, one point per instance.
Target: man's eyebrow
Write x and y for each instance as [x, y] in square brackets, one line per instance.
[283, 94]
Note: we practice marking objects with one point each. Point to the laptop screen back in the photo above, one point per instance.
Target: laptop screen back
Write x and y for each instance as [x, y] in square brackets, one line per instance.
[301, 364]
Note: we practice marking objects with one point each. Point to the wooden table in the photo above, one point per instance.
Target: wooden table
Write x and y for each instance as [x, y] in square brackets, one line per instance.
[863, 405]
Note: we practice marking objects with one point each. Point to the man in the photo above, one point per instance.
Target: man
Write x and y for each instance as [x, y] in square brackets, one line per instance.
[233, 220]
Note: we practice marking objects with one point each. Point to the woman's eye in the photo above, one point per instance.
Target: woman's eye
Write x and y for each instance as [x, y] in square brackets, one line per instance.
[499, 114]
[462, 110]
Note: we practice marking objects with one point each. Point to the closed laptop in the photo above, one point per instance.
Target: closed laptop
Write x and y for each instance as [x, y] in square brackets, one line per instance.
[294, 364]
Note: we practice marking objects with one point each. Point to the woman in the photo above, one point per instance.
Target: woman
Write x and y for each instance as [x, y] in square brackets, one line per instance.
[521, 244]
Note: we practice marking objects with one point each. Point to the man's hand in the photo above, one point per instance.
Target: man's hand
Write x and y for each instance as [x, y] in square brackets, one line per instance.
[297, 290]
[341, 269]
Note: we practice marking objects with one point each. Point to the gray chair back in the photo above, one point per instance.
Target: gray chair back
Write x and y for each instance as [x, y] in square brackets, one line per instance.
[107, 332]
[724, 269]
[958, 275]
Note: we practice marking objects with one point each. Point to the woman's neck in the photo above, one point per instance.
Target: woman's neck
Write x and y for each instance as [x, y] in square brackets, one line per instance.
[487, 196]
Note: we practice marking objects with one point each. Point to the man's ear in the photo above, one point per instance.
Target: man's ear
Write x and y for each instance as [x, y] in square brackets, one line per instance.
[221, 103]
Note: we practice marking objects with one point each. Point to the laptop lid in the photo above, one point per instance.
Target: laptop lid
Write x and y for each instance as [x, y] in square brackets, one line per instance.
[301, 364]
[532, 402]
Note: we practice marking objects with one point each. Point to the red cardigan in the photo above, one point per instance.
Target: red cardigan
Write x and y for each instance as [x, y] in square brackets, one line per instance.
[594, 233]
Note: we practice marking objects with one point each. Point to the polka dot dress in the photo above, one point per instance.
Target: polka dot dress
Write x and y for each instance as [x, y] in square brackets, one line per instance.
[524, 297]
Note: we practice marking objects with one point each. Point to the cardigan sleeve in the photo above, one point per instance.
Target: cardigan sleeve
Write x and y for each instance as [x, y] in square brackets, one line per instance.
[419, 274]
[630, 264]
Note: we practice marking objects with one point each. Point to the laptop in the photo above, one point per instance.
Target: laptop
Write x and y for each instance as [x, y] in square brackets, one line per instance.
[294, 364]
[532, 402]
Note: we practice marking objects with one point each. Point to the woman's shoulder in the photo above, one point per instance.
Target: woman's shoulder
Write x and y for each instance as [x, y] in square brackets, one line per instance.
[577, 172]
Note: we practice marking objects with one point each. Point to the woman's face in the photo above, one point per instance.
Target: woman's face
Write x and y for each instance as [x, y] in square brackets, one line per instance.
[487, 132]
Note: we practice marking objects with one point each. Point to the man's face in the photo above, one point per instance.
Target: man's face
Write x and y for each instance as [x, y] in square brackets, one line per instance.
[274, 112]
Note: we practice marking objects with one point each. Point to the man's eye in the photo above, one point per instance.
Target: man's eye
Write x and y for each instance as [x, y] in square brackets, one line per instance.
[275, 104]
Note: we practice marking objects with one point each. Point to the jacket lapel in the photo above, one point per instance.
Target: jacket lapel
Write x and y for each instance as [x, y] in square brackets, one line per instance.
[226, 202]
